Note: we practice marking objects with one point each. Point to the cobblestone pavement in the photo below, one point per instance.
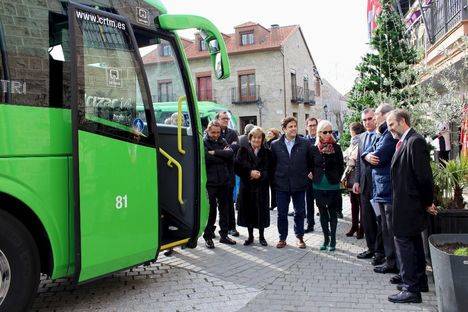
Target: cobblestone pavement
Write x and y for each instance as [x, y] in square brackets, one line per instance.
[239, 278]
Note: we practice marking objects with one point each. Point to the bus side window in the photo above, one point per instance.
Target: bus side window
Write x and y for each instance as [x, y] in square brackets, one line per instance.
[59, 62]
[3, 75]
[26, 46]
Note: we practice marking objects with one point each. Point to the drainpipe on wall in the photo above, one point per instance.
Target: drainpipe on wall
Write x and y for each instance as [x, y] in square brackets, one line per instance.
[284, 83]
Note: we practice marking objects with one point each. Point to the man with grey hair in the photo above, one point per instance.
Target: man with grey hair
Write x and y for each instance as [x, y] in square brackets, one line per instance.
[379, 157]
[244, 139]
[363, 186]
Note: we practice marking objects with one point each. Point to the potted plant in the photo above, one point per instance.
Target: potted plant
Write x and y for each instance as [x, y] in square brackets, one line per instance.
[450, 178]
[449, 253]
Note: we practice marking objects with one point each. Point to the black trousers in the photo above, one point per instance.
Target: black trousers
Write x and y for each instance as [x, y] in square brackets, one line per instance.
[328, 204]
[310, 209]
[386, 211]
[412, 261]
[218, 198]
[370, 225]
[231, 212]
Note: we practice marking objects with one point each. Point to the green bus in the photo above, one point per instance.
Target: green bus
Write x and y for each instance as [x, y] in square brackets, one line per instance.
[90, 182]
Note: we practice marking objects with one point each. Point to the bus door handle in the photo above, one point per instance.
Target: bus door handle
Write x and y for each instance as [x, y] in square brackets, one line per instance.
[180, 175]
[179, 124]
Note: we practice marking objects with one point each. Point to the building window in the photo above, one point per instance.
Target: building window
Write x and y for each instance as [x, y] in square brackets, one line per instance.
[166, 50]
[317, 87]
[202, 46]
[247, 87]
[247, 38]
[204, 89]
[165, 91]
[306, 116]
[293, 86]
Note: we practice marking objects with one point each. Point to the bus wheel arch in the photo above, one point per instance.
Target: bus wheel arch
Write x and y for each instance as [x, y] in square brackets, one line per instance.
[31, 221]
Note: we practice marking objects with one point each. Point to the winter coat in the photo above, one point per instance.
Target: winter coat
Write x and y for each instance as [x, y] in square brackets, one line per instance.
[232, 140]
[291, 171]
[332, 165]
[253, 200]
[413, 186]
[384, 148]
[217, 165]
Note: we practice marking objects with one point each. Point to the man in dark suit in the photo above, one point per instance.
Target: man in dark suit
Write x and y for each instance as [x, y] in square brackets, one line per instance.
[292, 165]
[244, 139]
[311, 128]
[232, 139]
[412, 192]
[363, 186]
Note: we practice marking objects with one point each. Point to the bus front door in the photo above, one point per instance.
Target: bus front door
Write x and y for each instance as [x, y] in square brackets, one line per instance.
[115, 157]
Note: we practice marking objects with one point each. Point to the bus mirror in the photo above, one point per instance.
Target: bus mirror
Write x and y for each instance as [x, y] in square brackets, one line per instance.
[218, 66]
[209, 33]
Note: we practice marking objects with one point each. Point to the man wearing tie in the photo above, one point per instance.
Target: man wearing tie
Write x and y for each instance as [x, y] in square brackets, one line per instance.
[363, 186]
[412, 192]
[311, 128]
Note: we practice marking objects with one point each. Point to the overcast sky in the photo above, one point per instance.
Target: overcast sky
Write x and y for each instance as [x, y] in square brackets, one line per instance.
[335, 30]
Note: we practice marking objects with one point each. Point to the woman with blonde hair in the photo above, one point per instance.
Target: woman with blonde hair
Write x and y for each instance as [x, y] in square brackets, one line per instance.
[327, 170]
[251, 165]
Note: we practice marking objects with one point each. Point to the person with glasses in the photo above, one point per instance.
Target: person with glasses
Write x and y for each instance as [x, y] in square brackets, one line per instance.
[328, 167]
[311, 128]
[363, 186]
[231, 137]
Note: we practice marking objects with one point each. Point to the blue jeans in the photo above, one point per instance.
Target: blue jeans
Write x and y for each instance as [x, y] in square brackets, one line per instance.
[283, 199]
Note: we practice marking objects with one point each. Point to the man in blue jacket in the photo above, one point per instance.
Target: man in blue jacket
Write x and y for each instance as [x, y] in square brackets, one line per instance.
[292, 164]
[379, 156]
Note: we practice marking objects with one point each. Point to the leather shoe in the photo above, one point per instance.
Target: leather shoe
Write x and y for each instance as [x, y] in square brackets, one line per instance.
[248, 241]
[424, 288]
[396, 279]
[351, 232]
[378, 260]
[281, 244]
[405, 297]
[360, 235]
[226, 240]
[365, 255]
[291, 214]
[263, 242]
[339, 214]
[309, 229]
[209, 243]
[383, 269]
[300, 243]
[233, 233]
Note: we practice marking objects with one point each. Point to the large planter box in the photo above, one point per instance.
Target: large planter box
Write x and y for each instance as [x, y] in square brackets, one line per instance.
[445, 222]
[449, 221]
[450, 273]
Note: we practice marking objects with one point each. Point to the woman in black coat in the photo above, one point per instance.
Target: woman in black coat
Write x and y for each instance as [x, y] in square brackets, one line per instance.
[328, 169]
[251, 165]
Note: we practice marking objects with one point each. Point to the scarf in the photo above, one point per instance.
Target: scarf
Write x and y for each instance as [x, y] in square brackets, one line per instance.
[326, 147]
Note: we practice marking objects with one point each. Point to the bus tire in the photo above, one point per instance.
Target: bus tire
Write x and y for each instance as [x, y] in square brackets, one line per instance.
[19, 251]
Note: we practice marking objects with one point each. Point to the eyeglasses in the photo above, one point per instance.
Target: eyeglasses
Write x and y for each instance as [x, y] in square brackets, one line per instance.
[327, 132]
[367, 119]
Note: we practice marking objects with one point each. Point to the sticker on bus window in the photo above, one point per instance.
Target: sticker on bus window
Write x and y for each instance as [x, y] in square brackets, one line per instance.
[138, 125]
[113, 77]
[143, 16]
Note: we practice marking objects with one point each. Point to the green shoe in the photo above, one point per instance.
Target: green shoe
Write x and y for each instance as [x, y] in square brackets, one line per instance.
[331, 248]
[324, 246]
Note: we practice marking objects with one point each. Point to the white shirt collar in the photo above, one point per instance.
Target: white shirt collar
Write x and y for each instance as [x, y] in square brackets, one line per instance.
[403, 137]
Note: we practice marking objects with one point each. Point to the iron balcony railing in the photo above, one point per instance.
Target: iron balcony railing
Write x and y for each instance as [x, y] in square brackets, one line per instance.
[309, 97]
[245, 95]
[442, 15]
[297, 95]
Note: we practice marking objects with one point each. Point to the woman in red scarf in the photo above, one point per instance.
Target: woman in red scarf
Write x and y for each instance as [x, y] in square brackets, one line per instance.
[328, 169]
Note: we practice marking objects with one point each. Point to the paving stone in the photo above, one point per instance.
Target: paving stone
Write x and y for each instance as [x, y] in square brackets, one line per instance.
[239, 278]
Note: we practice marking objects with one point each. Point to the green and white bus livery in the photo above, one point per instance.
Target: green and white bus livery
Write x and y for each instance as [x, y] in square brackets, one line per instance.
[90, 182]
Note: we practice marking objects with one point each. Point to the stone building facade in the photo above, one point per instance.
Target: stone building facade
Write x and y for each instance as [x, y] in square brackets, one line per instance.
[273, 75]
